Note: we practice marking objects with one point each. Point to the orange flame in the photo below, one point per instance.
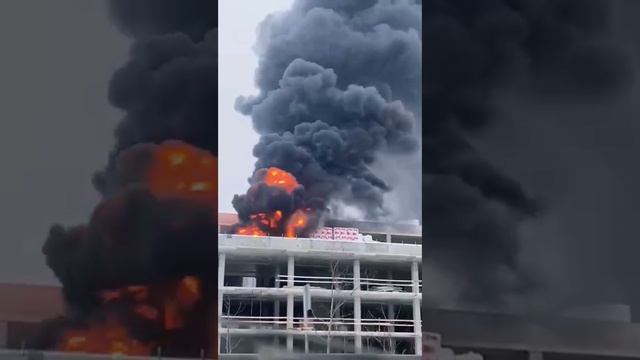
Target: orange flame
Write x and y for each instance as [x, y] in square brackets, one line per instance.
[250, 230]
[165, 304]
[297, 222]
[110, 337]
[172, 319]
[280, 178]
[183, 171]
[188, 292]
[276, 223]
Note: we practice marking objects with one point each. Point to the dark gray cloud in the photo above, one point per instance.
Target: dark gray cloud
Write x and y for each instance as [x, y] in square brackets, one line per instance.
[168, 91]
[339, 85]
[139, 234]
[562, 53]
[144, 18]
[169, 87]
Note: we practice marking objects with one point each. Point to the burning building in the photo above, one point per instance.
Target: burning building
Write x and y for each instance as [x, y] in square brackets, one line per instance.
[137, 278]
[349, 287]
[337, 111]
[335, 119]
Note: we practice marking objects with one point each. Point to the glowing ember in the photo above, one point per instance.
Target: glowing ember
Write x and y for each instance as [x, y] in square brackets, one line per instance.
[280, 178]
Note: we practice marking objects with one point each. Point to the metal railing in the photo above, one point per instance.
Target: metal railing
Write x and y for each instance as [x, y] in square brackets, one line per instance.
[317, 323]
[347, 283]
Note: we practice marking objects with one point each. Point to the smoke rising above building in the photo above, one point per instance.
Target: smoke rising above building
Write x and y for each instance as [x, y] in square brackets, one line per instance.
[168, 88]
[555, 54]
[137, 278]
[339, 86]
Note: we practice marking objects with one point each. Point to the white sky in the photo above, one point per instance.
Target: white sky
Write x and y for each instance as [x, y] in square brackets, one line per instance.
[238, 21]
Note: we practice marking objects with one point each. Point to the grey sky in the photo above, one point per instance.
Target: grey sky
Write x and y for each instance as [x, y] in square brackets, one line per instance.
[238, 21]
[57, 124]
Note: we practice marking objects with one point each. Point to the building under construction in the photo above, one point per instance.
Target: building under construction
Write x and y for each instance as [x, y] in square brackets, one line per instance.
[353, 287]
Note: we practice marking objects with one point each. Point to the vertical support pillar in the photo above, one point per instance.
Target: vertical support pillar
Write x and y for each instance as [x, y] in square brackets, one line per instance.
[357, 310]
[276, 306]
[222, 257]
[290, 275]
[388, 238]
[417, 317]
[391, 316]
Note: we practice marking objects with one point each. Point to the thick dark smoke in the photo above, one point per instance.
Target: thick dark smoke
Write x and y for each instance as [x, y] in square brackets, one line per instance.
[263, 198]
[553, 52]
[136, 236]
[168, 90]
[332, 101]
[133, 237]
[145, 18]
[169, 87]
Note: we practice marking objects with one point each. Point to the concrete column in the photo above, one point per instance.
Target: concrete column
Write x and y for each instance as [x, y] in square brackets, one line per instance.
[290, 275]
[222, 257]
[389, 238]
[357, 310]
[276, 305]
[391, 315]
[417, 317]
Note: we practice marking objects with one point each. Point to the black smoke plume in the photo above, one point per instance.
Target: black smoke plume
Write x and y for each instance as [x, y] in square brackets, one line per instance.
[135, 237]
[552, 50]
[263, 198]
[168, 87]
[339, 86]
[167, 91]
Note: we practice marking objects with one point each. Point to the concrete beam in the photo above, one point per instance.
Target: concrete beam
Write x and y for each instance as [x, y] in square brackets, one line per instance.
[297, 292]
